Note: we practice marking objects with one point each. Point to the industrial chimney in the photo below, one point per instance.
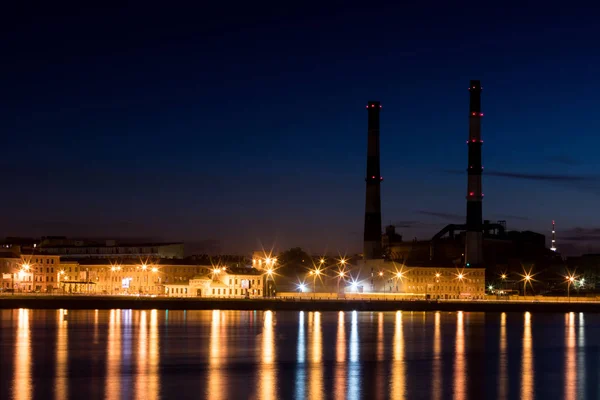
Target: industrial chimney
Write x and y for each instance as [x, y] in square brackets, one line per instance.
[474, 237]
[372, 235]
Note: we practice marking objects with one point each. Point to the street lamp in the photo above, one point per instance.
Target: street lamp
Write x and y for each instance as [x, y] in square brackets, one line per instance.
[61, 272]
[460, 278]
[399, 276]
[527, 279]
[570, 280]
[315, 273]
[341, 275]
[26, 267]
[145, 275]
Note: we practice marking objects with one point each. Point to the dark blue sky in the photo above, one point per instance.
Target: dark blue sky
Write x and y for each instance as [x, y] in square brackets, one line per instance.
[246, 124]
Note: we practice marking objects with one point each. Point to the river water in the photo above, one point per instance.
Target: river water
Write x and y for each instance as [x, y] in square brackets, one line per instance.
[156, 354]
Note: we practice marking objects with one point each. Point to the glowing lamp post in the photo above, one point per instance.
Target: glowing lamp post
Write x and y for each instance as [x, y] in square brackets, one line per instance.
[570, 280]
[315, 273]
[60, 273]
[398, 277]
[341, 275]
[145, 273]
[460, 278]
[525, 281]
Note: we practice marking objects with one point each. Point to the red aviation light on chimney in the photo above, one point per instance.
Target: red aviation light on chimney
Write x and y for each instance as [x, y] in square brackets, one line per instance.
[381, 178]
[481, 114]
[474, 113]
[380, 106]
[372, 105]
[471, 194]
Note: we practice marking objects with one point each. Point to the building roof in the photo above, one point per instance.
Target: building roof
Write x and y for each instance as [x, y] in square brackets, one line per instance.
[242, 271]
[83, 245]
[138, 261]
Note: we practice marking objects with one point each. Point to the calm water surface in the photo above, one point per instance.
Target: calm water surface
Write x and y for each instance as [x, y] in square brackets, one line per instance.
[125, 354]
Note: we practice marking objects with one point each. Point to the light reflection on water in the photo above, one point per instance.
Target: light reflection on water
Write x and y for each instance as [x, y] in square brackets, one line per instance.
[271, 355]
[398, 385]
[527, 372]
[22, 385]
[503, 361]
[62, 355]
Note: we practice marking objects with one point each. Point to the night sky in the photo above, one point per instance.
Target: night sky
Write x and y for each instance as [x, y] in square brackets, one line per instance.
[241, 126]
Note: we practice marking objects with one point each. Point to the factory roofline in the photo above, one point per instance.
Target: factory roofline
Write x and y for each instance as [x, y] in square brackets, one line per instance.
[151, 244]
[138, 260]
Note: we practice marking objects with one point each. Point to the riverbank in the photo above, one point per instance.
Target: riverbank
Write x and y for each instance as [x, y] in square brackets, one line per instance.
[118, 302]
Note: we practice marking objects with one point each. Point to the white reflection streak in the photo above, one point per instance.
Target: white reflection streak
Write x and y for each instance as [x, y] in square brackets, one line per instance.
[301, 358]
[459, 358]
[62, 356]
[503, 363]
[527, 361]
[215, 384]
[267, 382]
[571, 358]
[340, 358]
[437, 358]
[142, 359]
[22, 386]
[398, 384]
[113, 364]
[581, 356]
[354, 368]
[316, 370]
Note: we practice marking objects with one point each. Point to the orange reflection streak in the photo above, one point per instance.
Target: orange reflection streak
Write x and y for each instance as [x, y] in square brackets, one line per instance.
[154, 358]
[316, 369]
[380, 341]
[571, 358]
[459, 359]
[95, 326]
[215, 379]
[527, 361]
[22, 388]
[340, 358]
[398, 384]
[503, 363]
[141, 375]
[113, 364]
[268, 375]
[437, 358]
[380, 384]
[62, 356]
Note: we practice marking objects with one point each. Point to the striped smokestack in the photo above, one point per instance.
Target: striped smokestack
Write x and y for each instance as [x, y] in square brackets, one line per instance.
[372, 234]
[474, 238]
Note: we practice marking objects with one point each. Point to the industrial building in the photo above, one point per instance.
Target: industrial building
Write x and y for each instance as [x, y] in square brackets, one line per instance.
[438, 268]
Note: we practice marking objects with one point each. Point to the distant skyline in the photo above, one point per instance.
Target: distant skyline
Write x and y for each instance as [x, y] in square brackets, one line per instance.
[248, 127]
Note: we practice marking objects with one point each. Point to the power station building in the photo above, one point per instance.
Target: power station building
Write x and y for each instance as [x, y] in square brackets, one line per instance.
[442, 271]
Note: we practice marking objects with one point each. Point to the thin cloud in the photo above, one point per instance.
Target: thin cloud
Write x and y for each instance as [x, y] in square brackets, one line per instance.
[533, 177]
[543, 177]
[442, 215]
[513, 217]
[580, 234]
